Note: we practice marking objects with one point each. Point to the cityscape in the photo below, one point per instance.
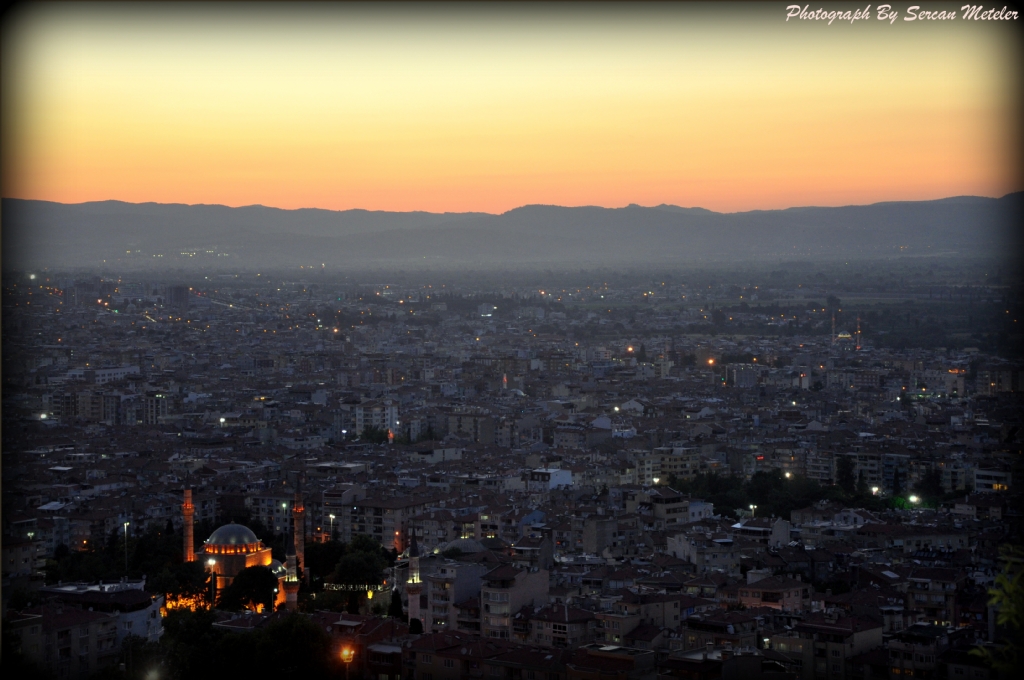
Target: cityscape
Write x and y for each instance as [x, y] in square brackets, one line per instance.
[428, 373]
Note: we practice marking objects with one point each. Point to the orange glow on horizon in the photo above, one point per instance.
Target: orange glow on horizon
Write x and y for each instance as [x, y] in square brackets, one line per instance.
[491, 108]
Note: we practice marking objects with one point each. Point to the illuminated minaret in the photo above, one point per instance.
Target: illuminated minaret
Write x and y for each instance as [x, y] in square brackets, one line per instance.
[414, 586]
[299, 531]
[188, 511]
[291, 580]
[858, 332]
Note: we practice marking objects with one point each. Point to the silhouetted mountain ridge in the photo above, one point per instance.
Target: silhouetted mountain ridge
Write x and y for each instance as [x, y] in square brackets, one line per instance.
[40, 233]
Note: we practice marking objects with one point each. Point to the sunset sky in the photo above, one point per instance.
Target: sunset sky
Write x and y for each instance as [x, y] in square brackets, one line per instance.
[469, 108]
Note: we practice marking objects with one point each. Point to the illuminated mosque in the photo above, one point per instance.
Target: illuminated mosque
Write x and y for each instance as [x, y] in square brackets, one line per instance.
[234, 547]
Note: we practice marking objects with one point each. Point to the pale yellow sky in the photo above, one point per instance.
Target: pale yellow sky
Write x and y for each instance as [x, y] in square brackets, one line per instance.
[456, 108]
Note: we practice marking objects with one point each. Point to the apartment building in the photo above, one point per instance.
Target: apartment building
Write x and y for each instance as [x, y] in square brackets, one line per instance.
[452, 582]
[824, 643]
[504, 592]
[383, 519]
[561, 626]
[67, 641]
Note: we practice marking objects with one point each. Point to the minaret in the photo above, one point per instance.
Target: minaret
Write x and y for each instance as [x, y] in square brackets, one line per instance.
[414, 586]
[299, 531]
[188, 511]
[291, 580]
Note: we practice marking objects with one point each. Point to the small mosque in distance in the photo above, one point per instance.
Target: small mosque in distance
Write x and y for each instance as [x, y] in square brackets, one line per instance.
[234, 547]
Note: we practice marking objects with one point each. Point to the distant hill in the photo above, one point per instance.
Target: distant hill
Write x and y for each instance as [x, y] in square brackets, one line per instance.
[151, 235]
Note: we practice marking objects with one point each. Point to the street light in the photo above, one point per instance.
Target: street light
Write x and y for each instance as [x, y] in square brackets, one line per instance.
[126, 549]
[346, 655]
[913, 499]
[332, 527]
[788, 475]
[753, 509]
[874, 491]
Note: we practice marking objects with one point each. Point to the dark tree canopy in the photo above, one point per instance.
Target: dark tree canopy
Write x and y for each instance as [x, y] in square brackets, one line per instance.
[360, 568]
[186, 579]
[251, 587]
[292, 647]
[374, 435]
[929, 488]
[395, 607]
[845, 474]
[771, 491]
[1008, 598]
[322, 558]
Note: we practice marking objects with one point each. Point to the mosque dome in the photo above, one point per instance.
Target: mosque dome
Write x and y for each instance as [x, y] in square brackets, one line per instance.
[233, 538]
[278, 569]
[467, 546]
[495, 544]
[232, 534]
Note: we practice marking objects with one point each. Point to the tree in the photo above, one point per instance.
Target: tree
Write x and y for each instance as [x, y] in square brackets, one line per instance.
[1008, 599]
[138, 657]
[862, 484]
[395, 608]
[929, 488]
[359, 568]
[374, 435]
[16, 664]
[844, 475]
[321, 558]
[187, 580]
[188, 642]
[294, 647]
[253, 586]
[897, 485]
[83, 565]
[364, 543]
[415, 627]
[325, 600]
